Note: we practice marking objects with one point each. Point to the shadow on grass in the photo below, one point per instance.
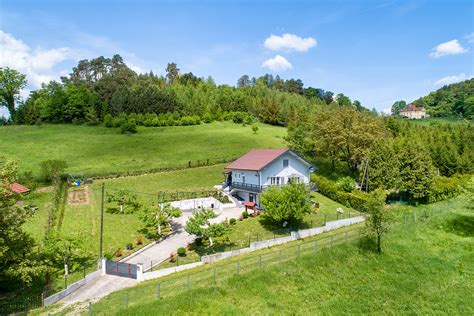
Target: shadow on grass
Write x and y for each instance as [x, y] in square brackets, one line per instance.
[462, 225]
[367, 244]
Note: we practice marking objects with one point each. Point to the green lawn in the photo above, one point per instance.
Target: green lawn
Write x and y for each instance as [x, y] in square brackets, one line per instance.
[426, 268]
[254, 229]
[96, 150]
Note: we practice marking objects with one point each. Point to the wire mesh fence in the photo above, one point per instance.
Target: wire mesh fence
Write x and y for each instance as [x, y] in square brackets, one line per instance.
[214, 277]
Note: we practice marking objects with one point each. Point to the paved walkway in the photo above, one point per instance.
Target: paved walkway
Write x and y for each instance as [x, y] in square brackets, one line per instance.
[157, 253]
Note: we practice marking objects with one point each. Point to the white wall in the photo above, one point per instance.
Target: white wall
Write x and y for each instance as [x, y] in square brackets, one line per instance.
[251, 177]
[276, 169]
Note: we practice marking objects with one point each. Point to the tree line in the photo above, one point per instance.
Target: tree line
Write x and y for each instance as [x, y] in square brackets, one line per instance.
[107, 86]
[387, 153]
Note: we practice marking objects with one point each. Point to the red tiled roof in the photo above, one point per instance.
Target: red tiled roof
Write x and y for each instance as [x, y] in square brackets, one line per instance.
[249, 204]
[18, 188]
[257, 159]
[411, 107]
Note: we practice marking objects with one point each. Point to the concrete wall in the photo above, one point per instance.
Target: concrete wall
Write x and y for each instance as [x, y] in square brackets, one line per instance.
[71, 288]
[276, 169]
[295, 235]
[197, 203]
[223, 255]
[270, 243]
[167, 271]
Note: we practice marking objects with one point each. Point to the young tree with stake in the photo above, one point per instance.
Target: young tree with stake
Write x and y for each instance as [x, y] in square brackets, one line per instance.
[378, 221]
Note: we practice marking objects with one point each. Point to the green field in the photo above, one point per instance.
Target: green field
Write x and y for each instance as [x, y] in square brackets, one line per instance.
[97, 150]
[427, 267]
[441, 120]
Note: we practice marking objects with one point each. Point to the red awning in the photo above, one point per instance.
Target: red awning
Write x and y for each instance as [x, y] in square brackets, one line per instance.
[249, 204]
[18, 188]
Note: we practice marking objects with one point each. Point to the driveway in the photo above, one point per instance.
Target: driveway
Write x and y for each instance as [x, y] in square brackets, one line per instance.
[155, 254]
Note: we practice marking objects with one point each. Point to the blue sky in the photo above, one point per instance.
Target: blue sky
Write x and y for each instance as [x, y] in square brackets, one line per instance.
[373, 51]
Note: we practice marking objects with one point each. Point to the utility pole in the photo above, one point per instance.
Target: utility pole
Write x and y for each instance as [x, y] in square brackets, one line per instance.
[101, 222]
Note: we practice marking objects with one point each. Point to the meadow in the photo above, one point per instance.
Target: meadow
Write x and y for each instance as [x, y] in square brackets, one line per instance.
[97, 150]
[426, 267]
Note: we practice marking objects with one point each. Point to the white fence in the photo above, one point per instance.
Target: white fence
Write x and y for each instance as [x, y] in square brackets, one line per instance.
[295, 235]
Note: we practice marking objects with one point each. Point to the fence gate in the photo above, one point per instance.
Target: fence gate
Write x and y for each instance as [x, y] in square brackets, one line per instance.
[122, 269]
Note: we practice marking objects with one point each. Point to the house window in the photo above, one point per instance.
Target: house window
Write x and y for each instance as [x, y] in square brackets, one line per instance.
[286, 162]
[295, 180]
[275, 181]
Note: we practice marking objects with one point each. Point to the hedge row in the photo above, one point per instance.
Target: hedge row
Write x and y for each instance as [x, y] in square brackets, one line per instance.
[355, 199]
[173, 119]
[444, 188]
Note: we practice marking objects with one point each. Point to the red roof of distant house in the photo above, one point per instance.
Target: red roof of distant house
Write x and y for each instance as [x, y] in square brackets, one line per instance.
[18, 188]
[257, 159]
[411, 107]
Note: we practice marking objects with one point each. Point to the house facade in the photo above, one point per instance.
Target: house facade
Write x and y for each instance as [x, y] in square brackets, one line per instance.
[413, 112]
[251, 174]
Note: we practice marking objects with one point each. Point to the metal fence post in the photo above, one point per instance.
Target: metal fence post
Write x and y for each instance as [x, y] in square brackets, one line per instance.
[349, 214]
[215, 279]
[331, 241]
[159, 290]
[325, 219]
[187, 281]
[84, 271]
[249, 240]
[151, 265]
[90, 309]
[238, 267]
[257, 237]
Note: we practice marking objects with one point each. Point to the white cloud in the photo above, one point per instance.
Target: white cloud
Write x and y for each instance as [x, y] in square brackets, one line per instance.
[453, 79]
[277, 63]
[290, 42]
[38, 64]
[470, 38]
[449, 48]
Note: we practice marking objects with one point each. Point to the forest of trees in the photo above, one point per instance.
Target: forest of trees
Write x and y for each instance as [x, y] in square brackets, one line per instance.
[104, 86]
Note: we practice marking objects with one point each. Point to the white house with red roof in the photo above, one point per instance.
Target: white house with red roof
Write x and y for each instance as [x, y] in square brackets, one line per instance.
[248, 176]
[411, 111]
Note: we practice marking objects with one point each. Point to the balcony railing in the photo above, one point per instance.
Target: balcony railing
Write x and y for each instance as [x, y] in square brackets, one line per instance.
[259, 188]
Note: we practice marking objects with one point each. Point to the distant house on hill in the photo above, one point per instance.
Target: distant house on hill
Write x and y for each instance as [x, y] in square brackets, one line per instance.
[248, 176]
[411, 111]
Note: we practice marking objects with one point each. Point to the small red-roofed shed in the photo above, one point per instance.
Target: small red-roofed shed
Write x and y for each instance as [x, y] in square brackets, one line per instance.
[18, 188]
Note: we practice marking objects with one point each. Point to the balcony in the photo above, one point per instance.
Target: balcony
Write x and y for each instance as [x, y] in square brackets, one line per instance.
[247, 187]
[259, 188]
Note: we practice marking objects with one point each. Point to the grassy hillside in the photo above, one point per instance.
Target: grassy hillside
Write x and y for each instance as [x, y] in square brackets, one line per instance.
[97, 150]
[426, 268]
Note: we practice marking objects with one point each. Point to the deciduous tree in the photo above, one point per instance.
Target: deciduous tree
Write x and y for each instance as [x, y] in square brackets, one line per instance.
[11, 82]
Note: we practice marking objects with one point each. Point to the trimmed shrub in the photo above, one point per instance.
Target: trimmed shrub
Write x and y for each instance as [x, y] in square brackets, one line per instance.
[139, 240]
[444, 188]
[346, 184]
[128, 128]
[245, 214]
[108, 120]
[129, 246]
[232, 221]
[181, 251]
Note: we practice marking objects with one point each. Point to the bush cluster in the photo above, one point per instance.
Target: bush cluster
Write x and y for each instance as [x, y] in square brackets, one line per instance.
[128, 122]
[355, 199]
[444, 188]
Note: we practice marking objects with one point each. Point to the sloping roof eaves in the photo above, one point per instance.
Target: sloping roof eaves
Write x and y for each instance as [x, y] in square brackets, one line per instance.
[256, 160]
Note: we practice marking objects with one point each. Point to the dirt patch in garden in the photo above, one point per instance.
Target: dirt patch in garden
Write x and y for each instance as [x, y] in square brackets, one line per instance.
[78, 196]
[45, 189]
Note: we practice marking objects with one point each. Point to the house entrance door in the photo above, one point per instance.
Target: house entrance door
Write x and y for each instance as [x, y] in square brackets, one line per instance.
[250, 197]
